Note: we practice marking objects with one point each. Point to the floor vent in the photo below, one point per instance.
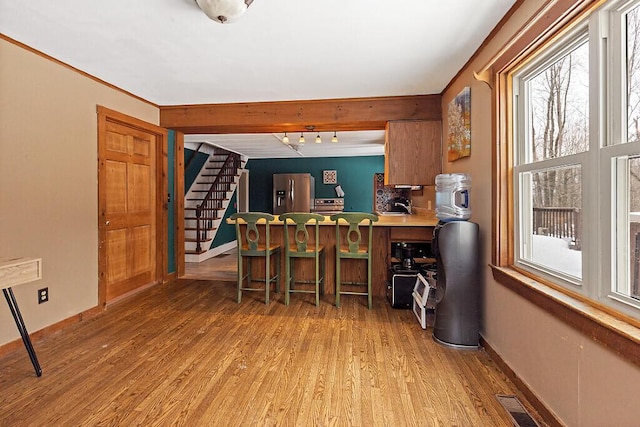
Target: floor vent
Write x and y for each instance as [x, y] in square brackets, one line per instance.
[518, 413]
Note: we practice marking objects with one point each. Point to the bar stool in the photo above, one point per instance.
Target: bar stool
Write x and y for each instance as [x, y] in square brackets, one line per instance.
[349, 245]
[302, 249]
[250, 245]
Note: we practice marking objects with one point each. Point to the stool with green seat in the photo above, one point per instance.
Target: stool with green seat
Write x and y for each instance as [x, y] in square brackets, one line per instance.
[303, 249]
[250, 245]
[350, 245]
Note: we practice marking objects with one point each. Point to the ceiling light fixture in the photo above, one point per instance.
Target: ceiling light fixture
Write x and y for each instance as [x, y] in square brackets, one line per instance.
[334, 138]
[301, 140]
[318, 140]
[285, 139]
[224, 10]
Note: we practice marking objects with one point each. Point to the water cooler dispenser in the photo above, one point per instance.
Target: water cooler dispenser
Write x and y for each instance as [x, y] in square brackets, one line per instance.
[455, 245]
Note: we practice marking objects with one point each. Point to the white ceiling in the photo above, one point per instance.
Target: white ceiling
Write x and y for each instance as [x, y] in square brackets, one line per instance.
[270, 146]
[169, 53]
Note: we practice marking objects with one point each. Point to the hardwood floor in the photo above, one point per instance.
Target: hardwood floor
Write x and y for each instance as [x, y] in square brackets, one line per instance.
[186, 353]
[222, 267]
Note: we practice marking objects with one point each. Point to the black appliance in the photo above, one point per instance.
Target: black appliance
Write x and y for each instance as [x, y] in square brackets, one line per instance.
[457, 319]
[400, 286]
[418, 251]
[407, 260]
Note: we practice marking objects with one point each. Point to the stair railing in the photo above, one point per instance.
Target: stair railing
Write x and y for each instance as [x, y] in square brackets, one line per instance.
[207, 211]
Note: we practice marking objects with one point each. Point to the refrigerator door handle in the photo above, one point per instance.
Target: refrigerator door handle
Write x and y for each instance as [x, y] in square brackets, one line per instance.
[292, 182]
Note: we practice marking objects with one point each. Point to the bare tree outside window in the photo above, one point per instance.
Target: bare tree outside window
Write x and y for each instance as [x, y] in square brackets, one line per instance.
[559, 126]
[633, 163]
[633, 101]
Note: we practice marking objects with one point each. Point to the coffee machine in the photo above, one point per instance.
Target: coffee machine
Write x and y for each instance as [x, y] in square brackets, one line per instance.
[408, 262]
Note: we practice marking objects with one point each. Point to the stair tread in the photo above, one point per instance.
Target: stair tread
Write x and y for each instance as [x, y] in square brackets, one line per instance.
[201, 229]
[193, 240]
[199, 200]
[236, 174]
[193, 208]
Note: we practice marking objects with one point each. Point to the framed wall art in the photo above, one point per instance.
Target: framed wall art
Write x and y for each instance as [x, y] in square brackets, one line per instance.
[459, 126]
[330, 177]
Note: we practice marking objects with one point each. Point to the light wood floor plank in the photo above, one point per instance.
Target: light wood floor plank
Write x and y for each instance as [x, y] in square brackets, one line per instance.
[186, 353]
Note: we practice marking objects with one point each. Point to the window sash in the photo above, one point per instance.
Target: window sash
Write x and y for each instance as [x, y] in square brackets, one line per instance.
[606, 234]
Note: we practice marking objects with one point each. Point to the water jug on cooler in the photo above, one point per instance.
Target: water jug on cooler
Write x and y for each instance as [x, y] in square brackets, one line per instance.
[452, 197]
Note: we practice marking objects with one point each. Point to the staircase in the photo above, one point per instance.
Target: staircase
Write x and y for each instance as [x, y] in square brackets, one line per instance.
[208, 199]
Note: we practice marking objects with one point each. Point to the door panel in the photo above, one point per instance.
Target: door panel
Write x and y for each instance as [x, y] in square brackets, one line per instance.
[116, 196]
[117, 256]
[141, 260]
[127, 187]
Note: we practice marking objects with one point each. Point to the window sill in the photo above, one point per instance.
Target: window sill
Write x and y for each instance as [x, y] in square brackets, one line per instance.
[618, 335]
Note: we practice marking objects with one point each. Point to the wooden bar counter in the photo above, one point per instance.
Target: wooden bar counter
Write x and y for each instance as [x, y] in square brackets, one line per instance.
[408, 228]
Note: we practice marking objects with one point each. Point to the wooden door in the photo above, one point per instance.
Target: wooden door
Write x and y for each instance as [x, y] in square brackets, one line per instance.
[128, 208]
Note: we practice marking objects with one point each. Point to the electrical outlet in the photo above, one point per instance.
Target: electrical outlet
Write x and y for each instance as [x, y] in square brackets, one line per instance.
[43, 295]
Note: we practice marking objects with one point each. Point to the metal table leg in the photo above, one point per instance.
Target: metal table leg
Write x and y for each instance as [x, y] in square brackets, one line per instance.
[15, 311]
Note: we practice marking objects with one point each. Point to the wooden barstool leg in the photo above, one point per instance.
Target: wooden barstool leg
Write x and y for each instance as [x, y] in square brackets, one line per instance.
[287, 284]
[240, 277]
[323, 261]
[316, 260]
[278, 272]
[267, 277]
[338, 280]
[369, 298]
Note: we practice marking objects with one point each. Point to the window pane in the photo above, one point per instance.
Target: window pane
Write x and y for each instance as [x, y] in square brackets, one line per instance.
[633, 75]
[628, 225]
[554, 219]
[559, 107]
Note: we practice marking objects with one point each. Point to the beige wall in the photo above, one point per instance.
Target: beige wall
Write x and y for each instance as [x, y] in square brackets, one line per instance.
[579, 380]
[48, 181]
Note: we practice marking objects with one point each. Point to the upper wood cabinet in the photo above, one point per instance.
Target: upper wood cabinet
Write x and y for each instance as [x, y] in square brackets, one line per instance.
[412, 152]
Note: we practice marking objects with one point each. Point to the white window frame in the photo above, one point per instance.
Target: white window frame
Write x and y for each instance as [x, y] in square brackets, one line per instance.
[604, 214]
[523, 163]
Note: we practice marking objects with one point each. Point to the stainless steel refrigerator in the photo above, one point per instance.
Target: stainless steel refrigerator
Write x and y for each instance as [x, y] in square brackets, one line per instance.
[293, 192]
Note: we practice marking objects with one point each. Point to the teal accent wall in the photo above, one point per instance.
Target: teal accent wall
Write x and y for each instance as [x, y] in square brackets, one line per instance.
[171, 242]
[355, 176]
[191, 173]
[227, 232]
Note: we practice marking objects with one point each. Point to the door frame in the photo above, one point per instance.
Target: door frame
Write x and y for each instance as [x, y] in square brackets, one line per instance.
[178, 179]
[161, 274]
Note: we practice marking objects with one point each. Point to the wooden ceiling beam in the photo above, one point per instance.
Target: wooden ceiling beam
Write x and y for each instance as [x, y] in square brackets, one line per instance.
[349, 114]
